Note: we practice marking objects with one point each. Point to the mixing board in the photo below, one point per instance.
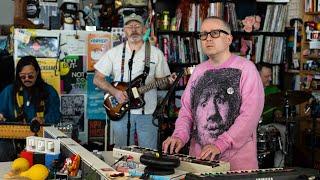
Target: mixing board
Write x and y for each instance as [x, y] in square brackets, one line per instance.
[15, 131]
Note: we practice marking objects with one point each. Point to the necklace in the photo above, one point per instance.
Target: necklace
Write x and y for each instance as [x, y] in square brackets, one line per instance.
[28, 101]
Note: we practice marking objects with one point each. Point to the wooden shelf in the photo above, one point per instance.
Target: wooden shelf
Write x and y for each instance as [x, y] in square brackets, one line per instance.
[236, 33]
[272, 2]
[309, 72]
[312, 13]
[181, 33]
[243, 33]
[314, 57]
[297, 71]
[182, 64]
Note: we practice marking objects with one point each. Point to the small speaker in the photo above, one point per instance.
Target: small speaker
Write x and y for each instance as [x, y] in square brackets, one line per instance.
[162, 165]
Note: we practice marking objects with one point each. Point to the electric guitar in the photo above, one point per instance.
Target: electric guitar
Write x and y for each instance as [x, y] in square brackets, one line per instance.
[116, 110]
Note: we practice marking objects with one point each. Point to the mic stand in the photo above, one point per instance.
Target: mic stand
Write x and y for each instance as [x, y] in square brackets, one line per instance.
[314, 114]
[160, 165]
[289, 133]
[158, 113]
[129, 97]
[288, 145]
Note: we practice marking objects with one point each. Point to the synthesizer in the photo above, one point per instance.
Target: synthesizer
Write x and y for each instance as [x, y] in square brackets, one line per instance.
[17, 131]
[187, 163]
[259, 174]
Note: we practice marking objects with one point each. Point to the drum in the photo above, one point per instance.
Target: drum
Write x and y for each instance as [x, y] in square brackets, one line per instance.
[266, 159]
[268, 138]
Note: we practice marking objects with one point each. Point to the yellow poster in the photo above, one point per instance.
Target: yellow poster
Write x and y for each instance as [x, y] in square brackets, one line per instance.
[50, 72]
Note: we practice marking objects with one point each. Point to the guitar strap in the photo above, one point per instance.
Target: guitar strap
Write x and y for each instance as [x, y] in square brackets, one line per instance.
[146, 64]
[147, 60]
[122, 62]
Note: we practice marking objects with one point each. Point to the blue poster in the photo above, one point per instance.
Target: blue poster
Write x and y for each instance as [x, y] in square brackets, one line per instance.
[95, 109]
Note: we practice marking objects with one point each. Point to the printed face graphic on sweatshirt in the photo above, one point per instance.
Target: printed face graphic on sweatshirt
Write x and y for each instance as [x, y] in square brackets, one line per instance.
[215, 103]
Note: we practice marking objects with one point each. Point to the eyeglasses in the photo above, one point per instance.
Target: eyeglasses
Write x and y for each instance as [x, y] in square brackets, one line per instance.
[133, 27]
[25, 76]
[214, 34]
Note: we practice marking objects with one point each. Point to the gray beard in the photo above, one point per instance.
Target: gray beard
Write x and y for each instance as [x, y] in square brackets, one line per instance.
[134, 39]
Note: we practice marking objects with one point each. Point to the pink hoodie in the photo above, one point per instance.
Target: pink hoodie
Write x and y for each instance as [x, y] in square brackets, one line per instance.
[239, 85]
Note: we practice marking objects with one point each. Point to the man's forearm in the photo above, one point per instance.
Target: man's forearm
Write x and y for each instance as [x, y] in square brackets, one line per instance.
[104, 85]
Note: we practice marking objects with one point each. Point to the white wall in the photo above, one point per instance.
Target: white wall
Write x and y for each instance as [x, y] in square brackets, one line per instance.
[6, 12]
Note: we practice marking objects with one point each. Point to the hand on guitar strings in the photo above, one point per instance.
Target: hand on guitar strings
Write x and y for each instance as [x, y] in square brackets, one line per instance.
[121, 96]
[172, 78]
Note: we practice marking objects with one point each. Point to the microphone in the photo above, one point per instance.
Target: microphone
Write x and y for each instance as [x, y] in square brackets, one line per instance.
[35, 127]
[131, 60]
[308, 106]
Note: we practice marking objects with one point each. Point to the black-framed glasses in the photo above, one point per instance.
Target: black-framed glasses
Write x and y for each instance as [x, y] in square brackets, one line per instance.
[213, 33]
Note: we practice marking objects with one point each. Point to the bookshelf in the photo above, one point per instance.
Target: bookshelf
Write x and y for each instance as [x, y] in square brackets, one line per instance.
[261, 40]
[240, 10]
[309, 51]
[306, 77]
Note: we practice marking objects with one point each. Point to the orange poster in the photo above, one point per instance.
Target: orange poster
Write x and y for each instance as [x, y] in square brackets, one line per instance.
[98, 44]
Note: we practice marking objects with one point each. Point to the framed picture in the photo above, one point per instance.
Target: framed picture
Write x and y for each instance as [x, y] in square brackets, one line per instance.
[40, 47]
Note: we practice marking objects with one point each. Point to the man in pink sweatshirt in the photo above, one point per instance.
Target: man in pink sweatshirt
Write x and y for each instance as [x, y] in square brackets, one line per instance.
[221, 105]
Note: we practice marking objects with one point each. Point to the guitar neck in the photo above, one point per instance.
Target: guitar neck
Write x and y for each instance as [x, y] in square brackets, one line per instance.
[158, 83]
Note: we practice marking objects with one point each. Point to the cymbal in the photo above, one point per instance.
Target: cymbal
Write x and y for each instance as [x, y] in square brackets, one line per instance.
[293, 97]
[290, 119]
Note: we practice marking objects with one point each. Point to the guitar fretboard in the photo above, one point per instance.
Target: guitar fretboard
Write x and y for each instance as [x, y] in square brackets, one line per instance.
[158, 83]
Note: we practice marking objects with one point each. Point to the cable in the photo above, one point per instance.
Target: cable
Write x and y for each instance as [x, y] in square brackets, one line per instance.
[124, 157]
[145, 175]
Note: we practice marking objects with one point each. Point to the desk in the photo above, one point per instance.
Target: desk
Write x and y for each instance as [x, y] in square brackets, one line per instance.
[5, 167]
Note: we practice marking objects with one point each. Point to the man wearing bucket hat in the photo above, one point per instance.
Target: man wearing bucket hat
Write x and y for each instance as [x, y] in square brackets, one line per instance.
[146, 59]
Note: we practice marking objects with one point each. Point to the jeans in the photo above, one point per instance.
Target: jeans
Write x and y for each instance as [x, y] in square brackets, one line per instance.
[142, 124]
[7, 150]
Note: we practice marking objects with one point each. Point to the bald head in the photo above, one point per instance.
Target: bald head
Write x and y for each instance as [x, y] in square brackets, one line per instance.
[224, 24]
